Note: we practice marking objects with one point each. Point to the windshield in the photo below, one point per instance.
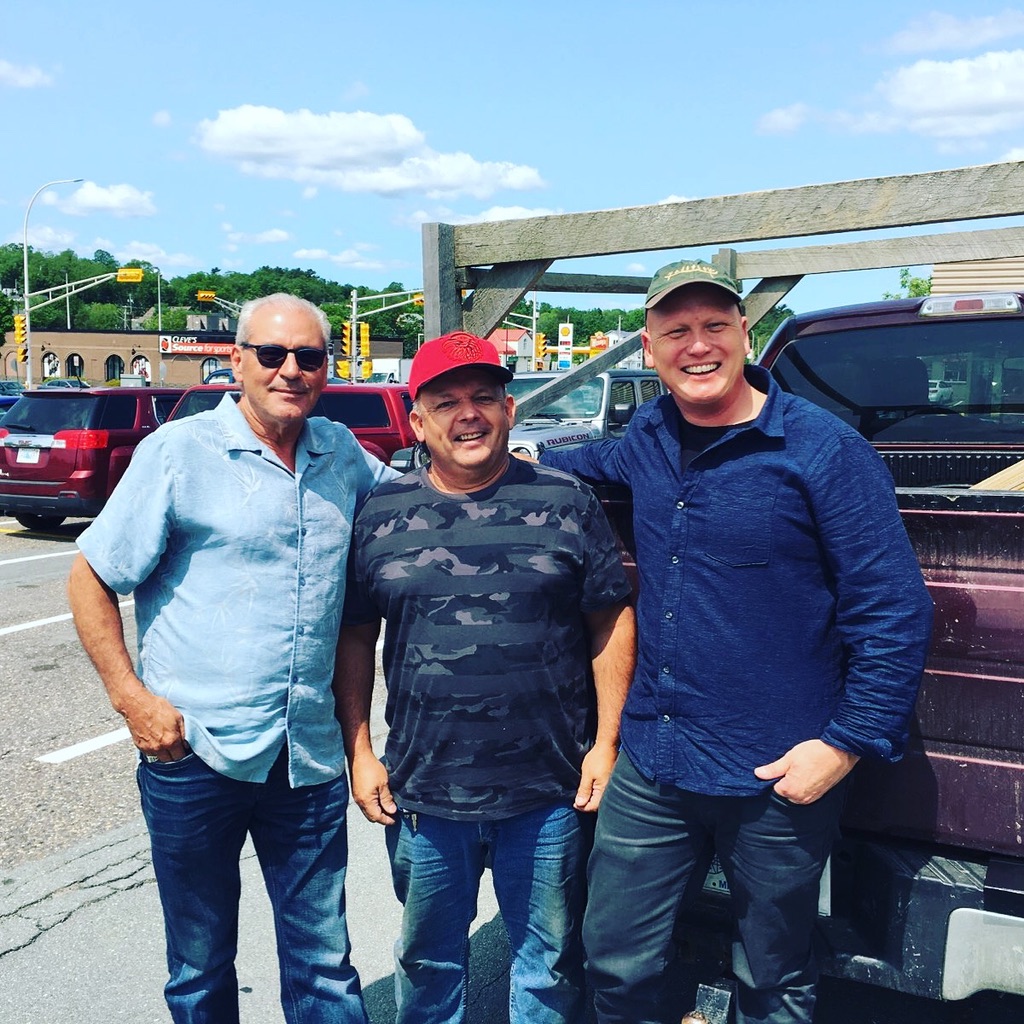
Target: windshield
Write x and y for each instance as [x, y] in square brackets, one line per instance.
[33, 414]
[584, 403]
[959, 380]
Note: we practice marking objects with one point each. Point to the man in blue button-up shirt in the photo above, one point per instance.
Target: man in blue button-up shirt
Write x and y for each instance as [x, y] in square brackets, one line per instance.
[783, 624]
[232, 528]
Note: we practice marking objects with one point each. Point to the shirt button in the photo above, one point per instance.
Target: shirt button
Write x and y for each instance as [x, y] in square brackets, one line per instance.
[301, 630]
[668, 615]
[680, 504]
[665, 718]
[674, 559]
[302, 581]
[665, 669]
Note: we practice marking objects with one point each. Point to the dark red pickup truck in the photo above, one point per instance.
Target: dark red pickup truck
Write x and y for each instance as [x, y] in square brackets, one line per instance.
[925, 893]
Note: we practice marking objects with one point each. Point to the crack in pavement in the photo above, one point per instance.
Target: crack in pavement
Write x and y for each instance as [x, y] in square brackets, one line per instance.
[39, 895]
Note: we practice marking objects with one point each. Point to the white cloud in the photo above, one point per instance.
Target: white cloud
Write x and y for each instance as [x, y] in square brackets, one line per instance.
[956, 103]
[783, 120]
[152, 253]
[256, 238]
[937, 31]
[964, 98]
[1013, 156]
[310, 192]
[115, 200]
[353, 152]
[352, 258]
[22, 76]
[672, 199]
[46, 239]
[162, 118]
[446, 216]
[636, 268]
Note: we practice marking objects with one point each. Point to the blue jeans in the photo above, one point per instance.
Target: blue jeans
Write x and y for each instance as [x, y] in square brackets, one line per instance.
[198, 820]
[650, 839]
[538, 860]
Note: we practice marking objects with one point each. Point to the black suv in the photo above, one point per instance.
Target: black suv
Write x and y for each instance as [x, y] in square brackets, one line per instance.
[62, 450]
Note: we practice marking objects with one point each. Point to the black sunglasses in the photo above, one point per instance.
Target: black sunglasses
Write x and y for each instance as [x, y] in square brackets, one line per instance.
[273, 356]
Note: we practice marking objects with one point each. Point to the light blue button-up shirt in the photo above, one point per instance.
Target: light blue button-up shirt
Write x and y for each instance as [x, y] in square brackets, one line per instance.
[238, 567]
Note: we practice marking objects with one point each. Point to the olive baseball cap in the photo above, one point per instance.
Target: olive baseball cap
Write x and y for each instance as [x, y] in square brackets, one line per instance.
[677, 275]
[454, 352]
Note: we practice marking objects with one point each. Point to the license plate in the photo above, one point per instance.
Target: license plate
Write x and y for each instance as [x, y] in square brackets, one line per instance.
[30, 455]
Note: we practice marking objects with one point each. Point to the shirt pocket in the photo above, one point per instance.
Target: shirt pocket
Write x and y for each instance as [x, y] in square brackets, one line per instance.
[738, 526]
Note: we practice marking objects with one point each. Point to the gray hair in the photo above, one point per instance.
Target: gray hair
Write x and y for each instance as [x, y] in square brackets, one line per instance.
[282, 300]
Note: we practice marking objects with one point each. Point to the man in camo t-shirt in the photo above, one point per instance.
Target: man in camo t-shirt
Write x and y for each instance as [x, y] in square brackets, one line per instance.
[509, 648]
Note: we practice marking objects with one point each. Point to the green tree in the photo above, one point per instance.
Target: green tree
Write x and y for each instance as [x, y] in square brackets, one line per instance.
[101, 316]
[7, 312]
[762, 331]
[910, 287]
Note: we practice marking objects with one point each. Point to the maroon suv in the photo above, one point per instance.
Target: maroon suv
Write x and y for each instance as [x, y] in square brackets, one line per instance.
[378, 414]
[62, 450]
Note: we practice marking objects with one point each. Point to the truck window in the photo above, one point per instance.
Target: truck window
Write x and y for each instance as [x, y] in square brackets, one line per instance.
[952, 381]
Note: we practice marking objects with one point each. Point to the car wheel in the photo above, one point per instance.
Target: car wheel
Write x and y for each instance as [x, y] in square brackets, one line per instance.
[33, 522]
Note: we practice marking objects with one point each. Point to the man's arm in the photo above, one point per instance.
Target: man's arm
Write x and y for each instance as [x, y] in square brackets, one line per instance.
[613, 657]
[354, 668]
[156, 726]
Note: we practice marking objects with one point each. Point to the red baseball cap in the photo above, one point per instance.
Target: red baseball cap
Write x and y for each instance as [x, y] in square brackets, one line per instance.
[453, 352]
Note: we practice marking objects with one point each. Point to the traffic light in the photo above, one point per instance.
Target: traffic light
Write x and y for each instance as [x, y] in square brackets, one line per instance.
[364, 340]
[342, 368]
[540, 342]
[346, 342]
[21, 337]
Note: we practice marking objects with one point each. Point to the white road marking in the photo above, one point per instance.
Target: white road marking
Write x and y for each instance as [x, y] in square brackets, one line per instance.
[33, 558]
[85, 747]
[36, 623]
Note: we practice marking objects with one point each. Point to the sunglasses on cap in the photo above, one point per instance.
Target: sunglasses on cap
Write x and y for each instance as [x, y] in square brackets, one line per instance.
[273, 356]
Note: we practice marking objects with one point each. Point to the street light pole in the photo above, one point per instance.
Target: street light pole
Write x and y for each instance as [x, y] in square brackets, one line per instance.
[24, 248]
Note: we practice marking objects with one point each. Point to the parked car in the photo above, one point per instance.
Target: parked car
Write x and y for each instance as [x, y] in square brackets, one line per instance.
[66, 382]
[10, 392]
[62, 450]
[378, 414]
[940, 391]
[225, 375]
[597, 408]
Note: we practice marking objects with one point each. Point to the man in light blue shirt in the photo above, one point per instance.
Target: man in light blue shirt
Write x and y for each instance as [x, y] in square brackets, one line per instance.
[233, 528]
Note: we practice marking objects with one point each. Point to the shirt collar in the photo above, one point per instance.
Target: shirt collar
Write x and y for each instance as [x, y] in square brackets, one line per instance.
[238, 435]
[769, 421]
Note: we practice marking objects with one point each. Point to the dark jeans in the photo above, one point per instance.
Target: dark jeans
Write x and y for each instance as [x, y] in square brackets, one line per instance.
[198, 820]
[649, 839]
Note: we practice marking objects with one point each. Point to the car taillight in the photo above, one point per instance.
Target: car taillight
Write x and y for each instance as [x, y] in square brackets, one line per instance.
[81, 439]
[3, 432]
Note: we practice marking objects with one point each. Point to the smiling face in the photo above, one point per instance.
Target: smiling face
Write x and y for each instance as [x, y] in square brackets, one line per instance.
[696, 338]
[276, 401]
[464, 418]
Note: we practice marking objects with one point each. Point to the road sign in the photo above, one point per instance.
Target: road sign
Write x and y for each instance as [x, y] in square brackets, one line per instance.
[206, 296]
[564, 346]
[129, 275]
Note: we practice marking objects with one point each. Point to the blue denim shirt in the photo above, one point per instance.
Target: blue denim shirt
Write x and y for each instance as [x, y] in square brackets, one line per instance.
[780, 599]
[238, 567]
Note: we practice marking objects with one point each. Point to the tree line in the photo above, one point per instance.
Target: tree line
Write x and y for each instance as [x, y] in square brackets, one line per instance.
[114, 306]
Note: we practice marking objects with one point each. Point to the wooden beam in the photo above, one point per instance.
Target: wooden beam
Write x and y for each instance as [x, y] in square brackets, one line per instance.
[991, 190]
[442, 305]
[764, 296]
[910, 251]
[498, 291]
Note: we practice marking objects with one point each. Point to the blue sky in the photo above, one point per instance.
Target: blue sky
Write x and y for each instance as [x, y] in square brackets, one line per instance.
[323, 134]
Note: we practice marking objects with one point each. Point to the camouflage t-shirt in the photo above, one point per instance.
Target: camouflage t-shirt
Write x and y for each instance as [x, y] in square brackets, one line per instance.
[490, 697]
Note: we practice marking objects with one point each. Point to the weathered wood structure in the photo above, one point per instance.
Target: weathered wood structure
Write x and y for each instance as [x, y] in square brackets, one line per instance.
[496, 263]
